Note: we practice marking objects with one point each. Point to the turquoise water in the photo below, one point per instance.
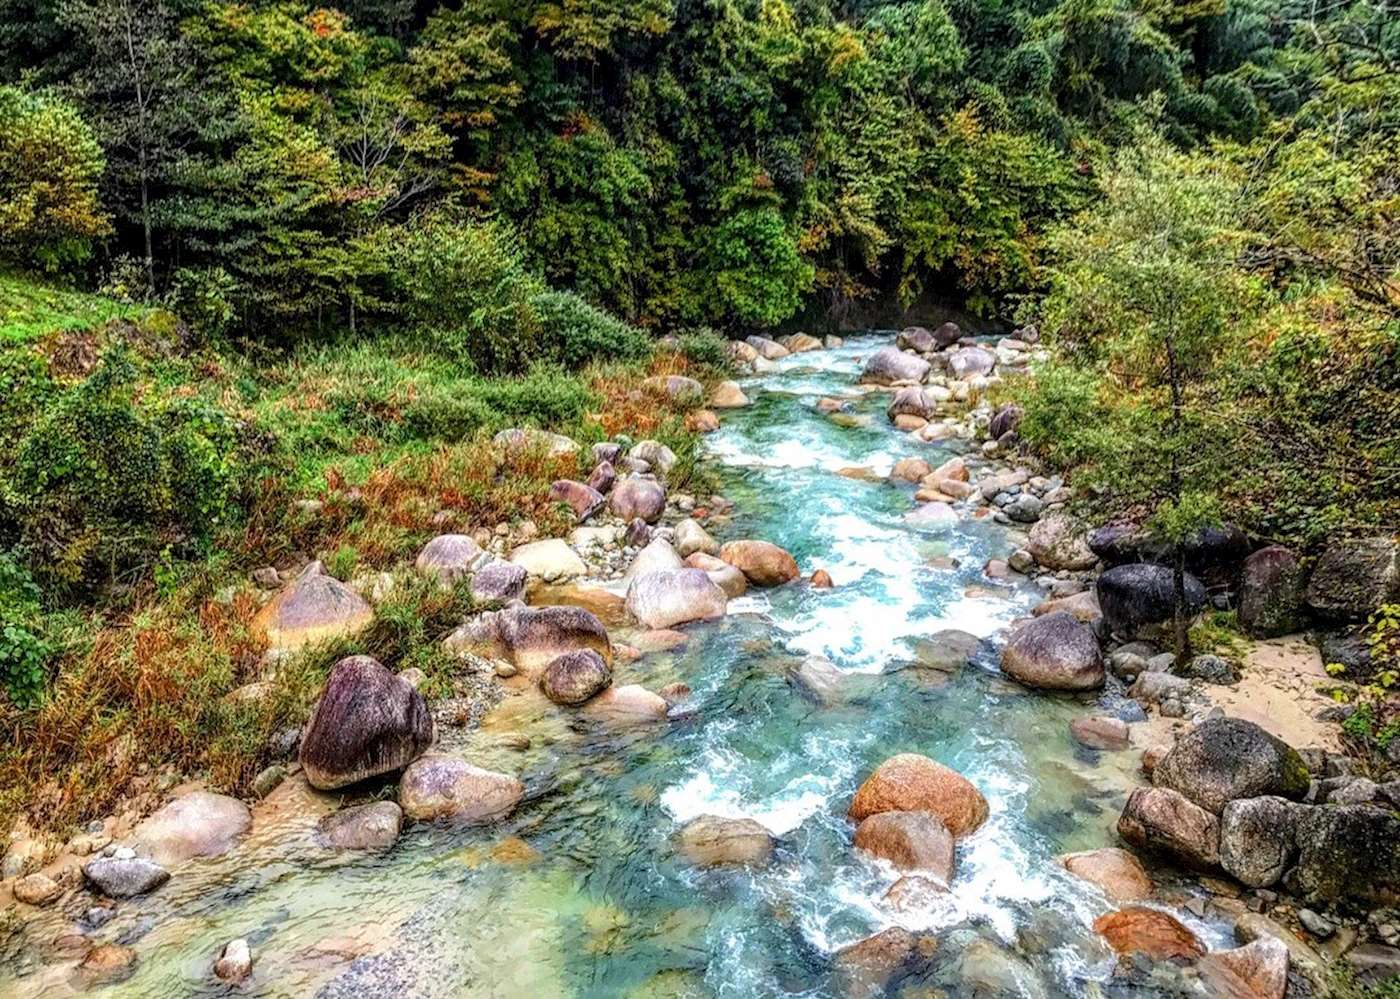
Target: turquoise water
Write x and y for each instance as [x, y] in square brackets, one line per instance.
[580, 894]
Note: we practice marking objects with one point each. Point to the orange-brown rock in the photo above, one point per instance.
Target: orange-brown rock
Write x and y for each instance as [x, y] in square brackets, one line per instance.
[1255, 971]
[1140, 930]
[1120, 874]
[911, 841]
[762, 563]
[821, 580]
[913, 783]
[865, 967]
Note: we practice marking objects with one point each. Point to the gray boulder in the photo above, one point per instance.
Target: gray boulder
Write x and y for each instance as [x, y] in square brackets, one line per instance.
[575, 677]
[124, 877]
[970, 362]
[1054, 652]
[503, 581]
[1258, 838]
[917, 339]
[1137, 600]
[1347, 851]
[1271, 592]
[947, 335]
[636, 498]
[1223, 759]
[668, 597]
[890, 364]
[1058, 542]
[911, 400]
[362, 827]
[1353, 578]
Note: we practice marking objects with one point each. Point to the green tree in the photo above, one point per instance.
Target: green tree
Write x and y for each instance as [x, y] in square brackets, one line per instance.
[50, 164]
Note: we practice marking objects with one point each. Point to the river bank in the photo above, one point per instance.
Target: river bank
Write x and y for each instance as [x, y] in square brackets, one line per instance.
[775, 712]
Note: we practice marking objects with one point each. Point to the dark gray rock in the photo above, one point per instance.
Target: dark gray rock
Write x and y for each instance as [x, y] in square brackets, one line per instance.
[917, 339]
[1258, 838]
[118, 877]
[1006, 420]
[1352, 578]
[1137, 600]
[1271, 592]
[1210, 668]
[1347, 852]
[1223, 759]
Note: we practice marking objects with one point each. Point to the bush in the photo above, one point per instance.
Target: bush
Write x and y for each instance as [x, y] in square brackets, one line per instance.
[465, 285]
[24, 653]
[706, 348]
[104, 479]
[546, 397]
[574, 332]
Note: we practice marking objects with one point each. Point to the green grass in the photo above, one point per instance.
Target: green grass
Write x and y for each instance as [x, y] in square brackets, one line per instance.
[31, 311]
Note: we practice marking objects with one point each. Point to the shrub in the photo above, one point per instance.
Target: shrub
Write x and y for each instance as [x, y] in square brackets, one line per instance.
[704, 347]
[103, 479]
[545, 396]
[24, 653]
[575, 332]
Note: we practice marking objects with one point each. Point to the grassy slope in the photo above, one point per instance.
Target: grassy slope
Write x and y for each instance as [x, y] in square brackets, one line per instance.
[30, 311]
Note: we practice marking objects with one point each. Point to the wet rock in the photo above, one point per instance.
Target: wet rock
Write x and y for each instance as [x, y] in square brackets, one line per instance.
[1054, 652]
[716, 840]
[1252, 926]
[368, 722]
[769, 350]
[375, 826]
[1258, 838]
[1057, 541]
[1347, 851]
[499, 581]
[107, 963]
[1083, 606]
[990, 971]
[1140, 930]
[1100, 732]
[917, 339]
[668, 597]
[864, 968]
[948, 651]
[936, 514]
[628, 704]
[821, 580]
[312, 608]
[124, 877]
[1138, 600]
[725, 576]
[439, 786]
[1222, 759]
[678, 388]
[1255, 971]
[551, 560]
[890, 364]
[914, 893]
[690, 538]
[657, 455]
[1116, 872]
[912, 401]
[819, 679]
[635, 498]
[37, 889]
[971, 362]
[913, 783]
[909, 841]
[449, 557]
[1158, 818]
[761, 562]
[580, 497]
[658, 554]
[1352, 578]
[575, 677]
[198, 824]
[1271, 592]
[728, 395]
[235, 961]
[910, 469]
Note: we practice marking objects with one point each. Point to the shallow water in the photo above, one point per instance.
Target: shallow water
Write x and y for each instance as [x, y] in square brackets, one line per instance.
[579, 893]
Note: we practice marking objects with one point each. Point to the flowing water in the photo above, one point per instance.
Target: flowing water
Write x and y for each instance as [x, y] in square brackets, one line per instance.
[580, 893]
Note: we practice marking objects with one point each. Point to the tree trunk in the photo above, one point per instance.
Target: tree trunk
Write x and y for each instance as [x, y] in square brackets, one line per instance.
[1180, 632]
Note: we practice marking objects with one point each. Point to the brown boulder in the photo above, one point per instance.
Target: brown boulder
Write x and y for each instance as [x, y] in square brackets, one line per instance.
[439, 786]
[1117, 872]
[715, 840]
[312, 608]
[574, 677]
[1140, 930]
[864, 968]
[1158, 818]
[1255, 971]
[629, 703]
[362, 827]
[913, 783]
[449, 557]
[761, 562]
[821, 580]
[908, 840]
[1100, 732]
[1054, 652]
[580, 497]
[368, 722]
[198, 824]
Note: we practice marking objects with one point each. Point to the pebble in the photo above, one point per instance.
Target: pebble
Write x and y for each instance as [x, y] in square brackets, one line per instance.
[1315, 924]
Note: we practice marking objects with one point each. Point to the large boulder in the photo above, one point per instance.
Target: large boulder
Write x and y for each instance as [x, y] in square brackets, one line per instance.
[761, 562]
[439, 786]
[911, 400]
[124, 877]
[550, 559]
[1139, 930]
[971, 362]
[499, 581]
[368, 722]
[716, 840]
[1054, 652]
[312, 608]
[864, 968]
[917, 339]
[658, 456]
[635, 498]
[947, 651]
[678, 388]
[603, 477]
[1117, 873]
[1347, 851]
[1258, 838]
[1222, 759]
[659, 554]
[890, 364]
[449, 557]
[668, 597]
[947, 334]
[913, 783]
[1258, 970]
[575, 677]
[1352, 578]
[1271, 592]
[536, 636]
[197, 824]
[1057, 541]
[818, 678]
[728, 395]
[374, 826]
[1158, 818]
[579, 497]
[690, 538]
[1138, 600]
[910, 841]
